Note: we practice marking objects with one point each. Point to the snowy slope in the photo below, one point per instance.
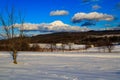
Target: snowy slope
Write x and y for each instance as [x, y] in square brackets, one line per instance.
[60, 66]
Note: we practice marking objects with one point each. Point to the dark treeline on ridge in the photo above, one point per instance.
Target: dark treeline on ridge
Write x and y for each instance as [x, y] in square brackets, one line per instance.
[96, 38]
[76, 37]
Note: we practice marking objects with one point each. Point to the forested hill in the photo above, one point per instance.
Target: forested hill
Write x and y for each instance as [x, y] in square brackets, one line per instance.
[76, 37]
[73, 37]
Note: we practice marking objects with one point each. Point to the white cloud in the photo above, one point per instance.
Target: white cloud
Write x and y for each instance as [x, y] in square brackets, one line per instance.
[96, 7]
[56, 26]
[91, 16]
[27, 26]
[59, 26]
[59, 13]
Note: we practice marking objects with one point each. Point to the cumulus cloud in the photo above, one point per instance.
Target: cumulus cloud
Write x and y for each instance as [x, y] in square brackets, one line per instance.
[27, 26]
[96, 7]
[91, 16]
[88, 24]
[59, 26]
[56, 26]
[59, 13]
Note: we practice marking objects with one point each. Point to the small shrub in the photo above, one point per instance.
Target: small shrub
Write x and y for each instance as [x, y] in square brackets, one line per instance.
[35, 47]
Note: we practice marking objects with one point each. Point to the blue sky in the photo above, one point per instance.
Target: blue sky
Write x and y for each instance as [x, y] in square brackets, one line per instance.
[39, 11]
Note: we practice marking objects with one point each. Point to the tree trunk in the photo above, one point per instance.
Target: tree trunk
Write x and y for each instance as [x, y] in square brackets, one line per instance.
[109, 50]
[14, 55]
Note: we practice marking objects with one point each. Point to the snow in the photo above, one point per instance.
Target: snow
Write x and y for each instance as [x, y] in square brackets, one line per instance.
[59, 46]
[78, 48]
[60, 66]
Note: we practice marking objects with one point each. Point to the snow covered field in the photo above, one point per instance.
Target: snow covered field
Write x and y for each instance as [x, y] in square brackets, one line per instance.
[60, 66]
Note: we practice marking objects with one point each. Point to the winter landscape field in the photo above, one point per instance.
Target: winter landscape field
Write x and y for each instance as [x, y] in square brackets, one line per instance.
[59, 39]
[60, 66]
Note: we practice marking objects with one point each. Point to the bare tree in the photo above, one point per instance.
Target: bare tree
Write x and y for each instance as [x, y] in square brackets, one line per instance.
[101, 45]
[109, 45]
[8, 18]
[63, 47]
[105, 44]
[70, 45]
[53, 47]
[35, 47]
